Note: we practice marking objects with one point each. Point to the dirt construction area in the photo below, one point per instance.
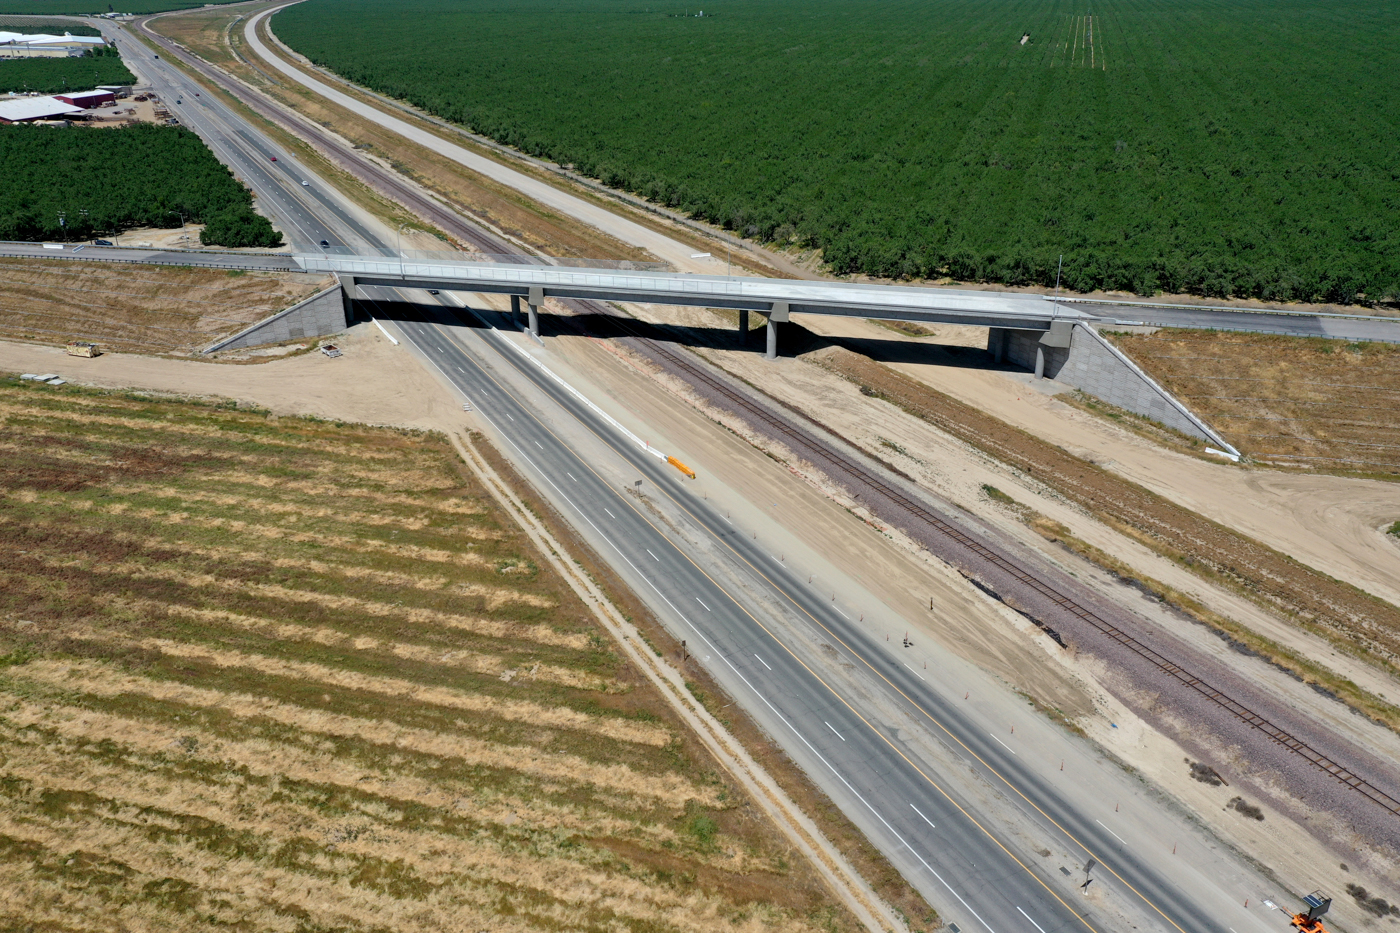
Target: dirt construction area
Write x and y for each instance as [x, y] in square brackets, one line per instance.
[297, 674]
[1285, 401]
[137, 308]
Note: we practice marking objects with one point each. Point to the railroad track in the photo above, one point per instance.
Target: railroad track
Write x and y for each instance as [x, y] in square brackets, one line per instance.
[450, 222]
[986, 555]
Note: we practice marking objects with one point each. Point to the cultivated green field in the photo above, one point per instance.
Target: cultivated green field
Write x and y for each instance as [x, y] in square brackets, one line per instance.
[56, 75]
[76, 184]
[1244, 149]
[83, 7]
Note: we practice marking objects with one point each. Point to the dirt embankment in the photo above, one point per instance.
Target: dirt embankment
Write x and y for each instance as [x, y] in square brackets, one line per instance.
[143, 309]
[1211, 550]
[1286, 401]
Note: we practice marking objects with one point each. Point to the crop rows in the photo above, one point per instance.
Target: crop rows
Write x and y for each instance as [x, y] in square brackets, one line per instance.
[291, 675]
[1242, 149]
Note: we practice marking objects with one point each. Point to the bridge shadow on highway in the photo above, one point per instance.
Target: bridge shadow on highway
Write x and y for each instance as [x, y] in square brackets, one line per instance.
[793, 339]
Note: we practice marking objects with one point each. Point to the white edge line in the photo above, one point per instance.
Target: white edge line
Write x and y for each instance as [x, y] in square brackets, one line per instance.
[392, 338]
[585, 400]
[1033, 923]
[1111, 832]
[738, 673]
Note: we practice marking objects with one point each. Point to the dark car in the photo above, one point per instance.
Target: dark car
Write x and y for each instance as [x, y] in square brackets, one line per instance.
[432, 291]
[101, 242]
[325, 243]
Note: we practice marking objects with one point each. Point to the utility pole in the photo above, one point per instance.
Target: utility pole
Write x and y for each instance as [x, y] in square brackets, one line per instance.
[1055, 305]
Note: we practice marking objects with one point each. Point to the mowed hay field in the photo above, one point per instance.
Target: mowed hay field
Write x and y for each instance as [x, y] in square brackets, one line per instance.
[278, 674]
[1288, 401]
[147, 309]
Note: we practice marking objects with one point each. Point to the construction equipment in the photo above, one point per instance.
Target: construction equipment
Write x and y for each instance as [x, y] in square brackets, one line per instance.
[1311, 922]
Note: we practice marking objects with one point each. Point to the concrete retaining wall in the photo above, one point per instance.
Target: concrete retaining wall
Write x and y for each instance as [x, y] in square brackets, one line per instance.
[1093, 365]
[323, 313]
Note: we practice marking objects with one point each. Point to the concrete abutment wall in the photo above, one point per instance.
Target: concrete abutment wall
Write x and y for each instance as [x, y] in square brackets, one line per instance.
[326, 312]
[1077, 355]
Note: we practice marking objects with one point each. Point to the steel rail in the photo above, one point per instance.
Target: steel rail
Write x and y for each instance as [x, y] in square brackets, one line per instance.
[987, 555]
[448, 219]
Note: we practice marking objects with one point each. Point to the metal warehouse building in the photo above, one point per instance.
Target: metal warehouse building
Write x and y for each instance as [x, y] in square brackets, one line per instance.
[24, 109]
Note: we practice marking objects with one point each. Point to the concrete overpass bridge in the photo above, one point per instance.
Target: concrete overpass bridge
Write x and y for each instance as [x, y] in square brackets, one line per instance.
[776, 299]
[1056, 339]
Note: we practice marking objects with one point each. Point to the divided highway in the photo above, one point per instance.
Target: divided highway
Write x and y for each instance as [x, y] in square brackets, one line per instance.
[967, 863]
[947, 845]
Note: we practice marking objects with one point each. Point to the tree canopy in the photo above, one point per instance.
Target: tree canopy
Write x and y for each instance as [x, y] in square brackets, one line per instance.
[81, 183]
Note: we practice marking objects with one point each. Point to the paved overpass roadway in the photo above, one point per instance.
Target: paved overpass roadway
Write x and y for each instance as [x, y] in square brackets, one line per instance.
[966, 863]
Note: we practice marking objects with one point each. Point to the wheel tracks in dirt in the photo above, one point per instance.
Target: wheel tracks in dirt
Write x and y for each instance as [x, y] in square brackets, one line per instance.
[1045, 601]
[1266, 576]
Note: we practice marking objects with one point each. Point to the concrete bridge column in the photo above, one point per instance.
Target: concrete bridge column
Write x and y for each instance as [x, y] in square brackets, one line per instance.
[515, 310]
[1039, 362]
[743, 326]
[777, 315]
[996, 340]
[536, 299]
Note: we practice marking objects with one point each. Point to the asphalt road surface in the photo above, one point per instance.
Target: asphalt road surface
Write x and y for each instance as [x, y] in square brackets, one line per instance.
[306, 214]
[945, 843]
[958, 857]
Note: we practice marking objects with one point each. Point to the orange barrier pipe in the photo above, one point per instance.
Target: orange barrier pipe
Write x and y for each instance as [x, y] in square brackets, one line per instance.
[681, 466]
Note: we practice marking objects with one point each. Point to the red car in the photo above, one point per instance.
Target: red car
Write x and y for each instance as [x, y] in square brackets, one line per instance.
[273, 158]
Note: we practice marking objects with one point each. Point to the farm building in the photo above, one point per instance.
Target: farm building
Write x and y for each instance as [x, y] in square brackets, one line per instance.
[24, 109]
[87, 99]
[20, 45]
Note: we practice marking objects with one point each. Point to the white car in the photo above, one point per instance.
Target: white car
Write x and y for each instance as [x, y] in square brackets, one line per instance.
[305, 184]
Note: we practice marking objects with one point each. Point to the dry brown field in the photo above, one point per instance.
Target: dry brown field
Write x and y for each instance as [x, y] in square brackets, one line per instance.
[286, 674]
[139, 308]
[1285, 401]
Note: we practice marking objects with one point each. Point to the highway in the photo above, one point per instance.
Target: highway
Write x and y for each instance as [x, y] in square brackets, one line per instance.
[823, 730]
[306, 215]
[982, 876]
[891, 780]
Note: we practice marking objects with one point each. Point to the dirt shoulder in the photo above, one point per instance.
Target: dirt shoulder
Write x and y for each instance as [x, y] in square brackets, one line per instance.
[151, 309]
[1348, 615]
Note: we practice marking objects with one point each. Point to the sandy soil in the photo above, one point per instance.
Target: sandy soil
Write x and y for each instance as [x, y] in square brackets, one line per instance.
[884, 568]
[370, 383]
[1331, 523]
[151, 309]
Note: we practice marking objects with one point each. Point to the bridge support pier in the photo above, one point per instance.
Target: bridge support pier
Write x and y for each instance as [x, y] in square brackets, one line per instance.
[515, 310]
[996, 338]
[778, 314]
[743, 326]
[535, 300]
[1039, 362]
